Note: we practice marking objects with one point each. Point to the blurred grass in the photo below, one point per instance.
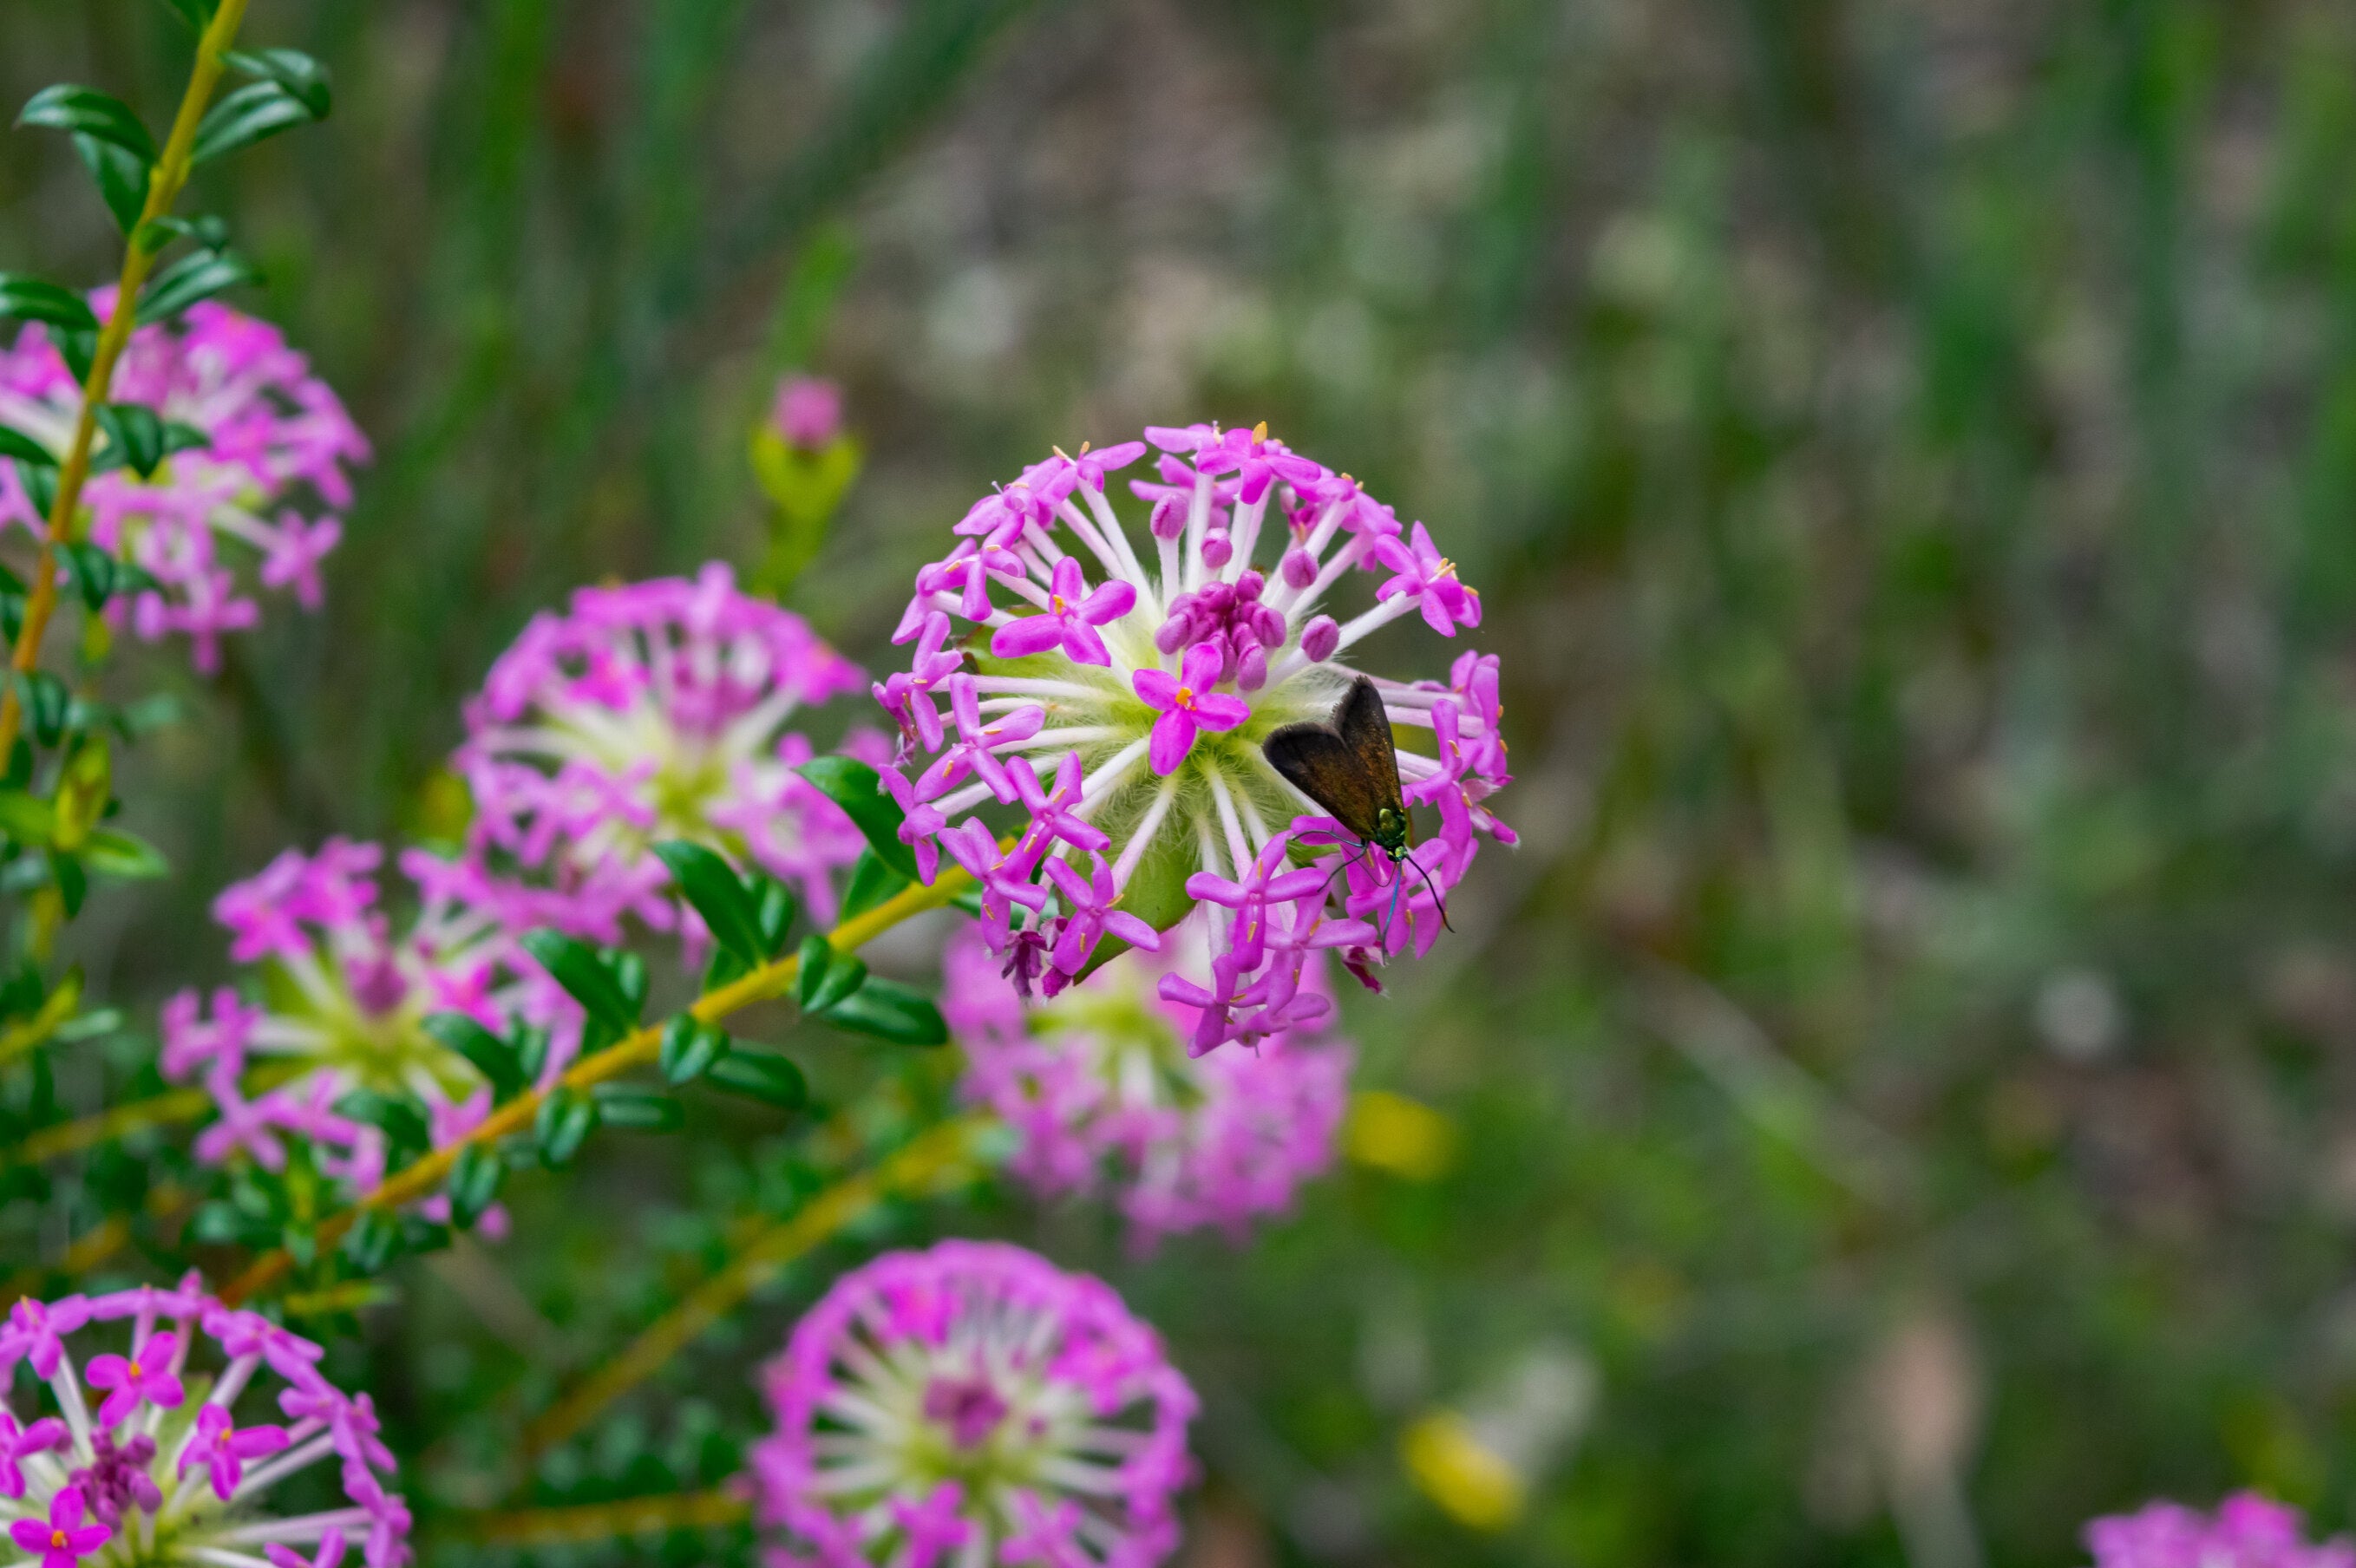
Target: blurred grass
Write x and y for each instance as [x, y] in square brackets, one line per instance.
[1908, 455]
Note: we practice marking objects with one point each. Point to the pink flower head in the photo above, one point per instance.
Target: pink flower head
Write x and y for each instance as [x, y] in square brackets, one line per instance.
[652, 711]
[124, 1468]
[1099, 1086]
[2247, 1532]
[808, 412]
[1142, 668]
[347, 999]
[62, 1539]
[268, 482]
[943, 1401]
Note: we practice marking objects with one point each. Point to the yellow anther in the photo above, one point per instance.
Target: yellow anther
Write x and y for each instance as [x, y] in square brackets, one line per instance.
[1259, 430]
[1185, 696]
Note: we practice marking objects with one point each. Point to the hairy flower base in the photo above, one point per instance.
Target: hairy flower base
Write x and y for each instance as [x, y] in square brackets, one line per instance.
[343, 1004]
[1099, 1085]
[650, 711]
[269, 479]
[972, 1405]
[158, 1471]
[1125, 721]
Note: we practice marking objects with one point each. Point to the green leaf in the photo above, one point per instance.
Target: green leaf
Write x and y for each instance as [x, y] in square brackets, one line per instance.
[400, 1116]
[305, 78]
[45, 698]
[79, 347]
[690, 1048]
[576, 966]
[89, 113]
[40, 484]
[135, 436]
[858, 790]
[197, 276]
[621, 1105]
[209, 232]
[498, 1061]
[817, 956]
[474, 1186]
[93, 573]
[196, 13]
[760, 1076]
[25, 817]
[73, 882]
[566, 1119]
[708, 884]
[124, 855]
[372, 1242]
[843, 977]
[23, 448]
[120, 175]
[36, 299]
[871, 882]
[776, 911]
[892, 1011]
[179, 437]
[257, 110]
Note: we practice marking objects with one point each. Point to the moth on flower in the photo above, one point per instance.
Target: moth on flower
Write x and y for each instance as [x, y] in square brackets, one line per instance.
[1111, 691]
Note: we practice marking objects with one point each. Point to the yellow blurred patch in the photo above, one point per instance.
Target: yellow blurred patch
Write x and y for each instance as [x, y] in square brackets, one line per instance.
[441, 810]
[1404, 1136]
[1452, 1466]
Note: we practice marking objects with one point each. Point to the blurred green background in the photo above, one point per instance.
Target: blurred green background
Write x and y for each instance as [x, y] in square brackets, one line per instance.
[1903, 1089]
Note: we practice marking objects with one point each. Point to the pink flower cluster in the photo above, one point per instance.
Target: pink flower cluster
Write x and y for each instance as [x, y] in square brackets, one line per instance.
[162, 1466]
[807, 412]
[1098, 1085]
[344, 1004]
[972, 1405]
[651, 711]
[1120, 720]
[271, 477]
[2246, 1531]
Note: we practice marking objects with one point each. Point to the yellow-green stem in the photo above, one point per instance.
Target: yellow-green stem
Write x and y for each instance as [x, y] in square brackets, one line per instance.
[937, 1155]
[421, 1178]
[164, 183]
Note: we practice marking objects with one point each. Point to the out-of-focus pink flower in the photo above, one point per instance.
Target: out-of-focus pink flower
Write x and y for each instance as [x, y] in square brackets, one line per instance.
[937, 1407]
[652, 711]
[271, 480]
[2246, 1531]
[202, 1483]
[1100, 1087]
[345, 1002]
[1147, 697]
[808, 412]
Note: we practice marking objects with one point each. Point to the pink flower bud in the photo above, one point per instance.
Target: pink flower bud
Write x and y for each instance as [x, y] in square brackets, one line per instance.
[1251, 670]
[1169, 519]
[1175, 633]
[1267, 626]
[1217, 551]
[1321, 638]
[1299, 566]
[1249, 585]
[807, 412]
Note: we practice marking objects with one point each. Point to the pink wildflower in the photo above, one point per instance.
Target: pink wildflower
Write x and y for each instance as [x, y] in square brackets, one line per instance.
[808, 412]
[2247, 1532]
[1099, 1088]
[347, 1002]
[934, 1407]
[128, 1467]
[648, 712]
[1145, 692]
[270, 480]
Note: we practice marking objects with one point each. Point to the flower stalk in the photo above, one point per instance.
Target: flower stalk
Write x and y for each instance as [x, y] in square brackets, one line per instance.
[164, 185]
[936, 1157]
[421, 1178]
[605, 1521]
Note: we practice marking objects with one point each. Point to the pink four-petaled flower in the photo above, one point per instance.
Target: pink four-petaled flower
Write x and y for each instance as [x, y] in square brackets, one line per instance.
[63, 1540]
[1072, 615]
[1187, 705]
[223, 1450]
[146, 1374]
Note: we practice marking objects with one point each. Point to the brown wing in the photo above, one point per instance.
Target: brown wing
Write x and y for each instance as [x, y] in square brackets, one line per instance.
[1314, 760]
[1366, 731]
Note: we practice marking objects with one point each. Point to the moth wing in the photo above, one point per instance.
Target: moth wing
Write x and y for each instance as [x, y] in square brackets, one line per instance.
[1315, 761]
[1365, 729]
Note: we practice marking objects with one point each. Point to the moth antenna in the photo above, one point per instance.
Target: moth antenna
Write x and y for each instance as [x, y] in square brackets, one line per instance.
[1436, 899]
